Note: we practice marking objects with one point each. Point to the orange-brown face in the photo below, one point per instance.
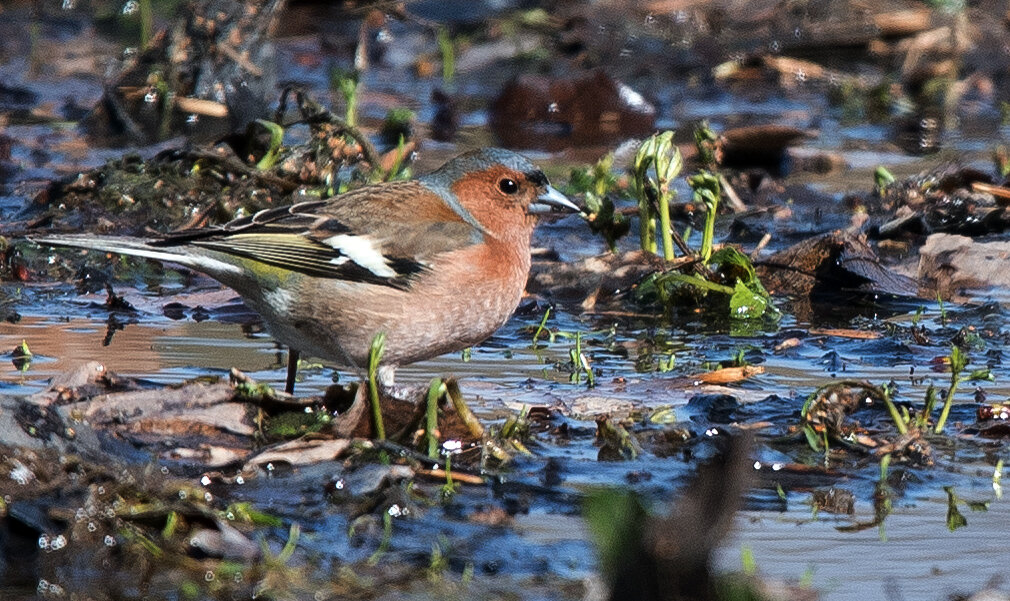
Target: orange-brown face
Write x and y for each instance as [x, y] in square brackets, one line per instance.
[499, 188]
[495, 188]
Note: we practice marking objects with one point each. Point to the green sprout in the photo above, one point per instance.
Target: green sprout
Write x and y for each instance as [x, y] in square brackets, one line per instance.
[447, 48]
[346, 82]
[958, 362]
[660, 156]
[707, 190]
[374, 355]
[22, 356]
[276, 138]
[597, 184]
[580, 363]
[436, 390]
[882, 178]
[705, 141]
[899, 421]
[541, 328]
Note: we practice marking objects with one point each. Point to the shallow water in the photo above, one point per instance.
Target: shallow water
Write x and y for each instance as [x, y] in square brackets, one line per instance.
[546, 537]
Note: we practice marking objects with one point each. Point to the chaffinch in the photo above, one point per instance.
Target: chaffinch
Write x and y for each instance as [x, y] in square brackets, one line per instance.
[437, 263]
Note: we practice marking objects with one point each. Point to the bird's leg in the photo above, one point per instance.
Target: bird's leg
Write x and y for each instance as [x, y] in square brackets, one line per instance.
[289, 383]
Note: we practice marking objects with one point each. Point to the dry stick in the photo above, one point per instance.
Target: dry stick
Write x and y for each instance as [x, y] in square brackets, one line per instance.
[235, 165]
[760, 246]
[440, 474]
[734, 200]
[469, 419]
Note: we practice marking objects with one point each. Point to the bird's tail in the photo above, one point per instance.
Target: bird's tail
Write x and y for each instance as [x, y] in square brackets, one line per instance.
[125, 245]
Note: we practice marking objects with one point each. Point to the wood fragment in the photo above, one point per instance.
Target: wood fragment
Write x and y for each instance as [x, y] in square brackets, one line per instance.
[728, 375]
[440, 474]
[845, 333]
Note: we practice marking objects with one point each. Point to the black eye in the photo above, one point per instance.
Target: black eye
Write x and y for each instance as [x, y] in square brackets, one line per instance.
[508, 186]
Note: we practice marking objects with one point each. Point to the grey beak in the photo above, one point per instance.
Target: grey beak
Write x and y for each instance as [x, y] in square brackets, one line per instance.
[550, 200]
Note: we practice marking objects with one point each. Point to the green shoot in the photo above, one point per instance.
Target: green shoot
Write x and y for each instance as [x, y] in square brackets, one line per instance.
[387, 537]
[883, 497]
[346, 82]
[450, 487]
[541, 328]
[435, 391]
[447, 48]
[374, 356]
[896, 417]
[955, 519]
[276, 138]
[882, 178]
[597, 183]
[22, 356]
[662, 156]
[705, 141]
[923, 420]
[958, 362]
[707, 190]
[580, 363]
[294, 533]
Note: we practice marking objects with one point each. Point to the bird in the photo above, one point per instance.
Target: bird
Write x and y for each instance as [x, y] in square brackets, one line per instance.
[435, 264]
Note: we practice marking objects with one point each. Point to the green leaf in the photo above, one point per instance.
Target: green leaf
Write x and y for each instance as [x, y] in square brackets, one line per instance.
[745, 304]
[812, 438]
[276, 138]
[955, 519]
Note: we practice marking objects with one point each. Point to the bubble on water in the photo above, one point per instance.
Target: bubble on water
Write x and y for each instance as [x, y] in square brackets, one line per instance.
[239, 480]
[209, 576]
[205, 480]
[20, 473]
[131, 7]
[58, 543]
[44, 542]
[92, 527]
[183, 495]
[151, 97]
[110, 541]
